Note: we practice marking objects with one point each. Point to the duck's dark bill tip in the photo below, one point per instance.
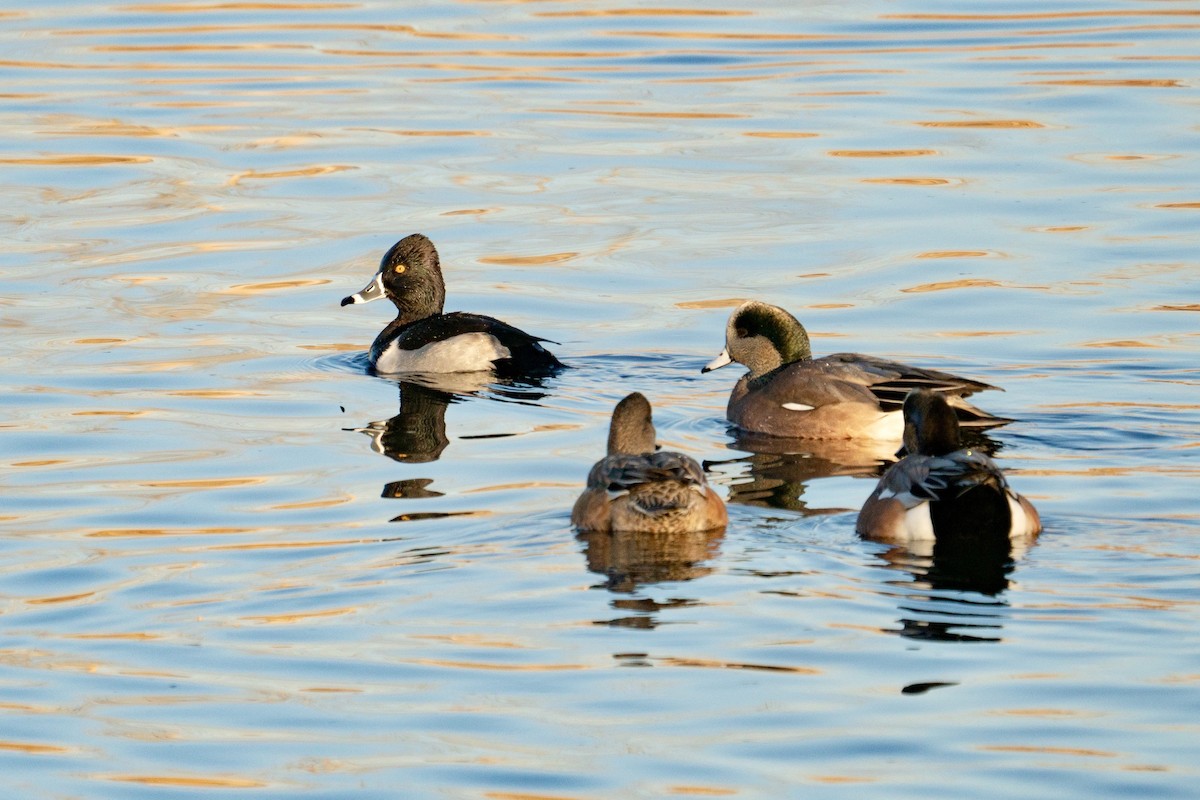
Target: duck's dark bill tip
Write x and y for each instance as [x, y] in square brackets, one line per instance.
[348, 300]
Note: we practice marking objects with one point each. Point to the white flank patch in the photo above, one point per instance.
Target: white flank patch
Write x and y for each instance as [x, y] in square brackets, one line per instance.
[1020, 525]
[889, 426]
[467, 352]
[798, 407]
[918, 524]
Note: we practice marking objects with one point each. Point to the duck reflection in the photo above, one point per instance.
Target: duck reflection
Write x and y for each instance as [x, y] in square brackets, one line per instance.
[629, 559]
[957, 586]
[778, 469]
[417, 434]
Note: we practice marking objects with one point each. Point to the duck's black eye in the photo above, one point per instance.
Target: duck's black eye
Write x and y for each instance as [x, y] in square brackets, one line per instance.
[742, 333]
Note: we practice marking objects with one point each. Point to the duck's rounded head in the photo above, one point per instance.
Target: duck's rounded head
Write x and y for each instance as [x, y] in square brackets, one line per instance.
[631, 431]
[763, 337]
[410, 275]
[930, 425]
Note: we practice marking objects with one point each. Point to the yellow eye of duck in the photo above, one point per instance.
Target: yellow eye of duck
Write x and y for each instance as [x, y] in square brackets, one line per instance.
[398, 268]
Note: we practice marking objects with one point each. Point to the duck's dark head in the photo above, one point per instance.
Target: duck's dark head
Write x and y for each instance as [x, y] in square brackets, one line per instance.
[762, 337]
[410, 275]
[930, 425]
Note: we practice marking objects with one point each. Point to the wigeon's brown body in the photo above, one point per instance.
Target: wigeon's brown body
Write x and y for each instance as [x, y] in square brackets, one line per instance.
[787, 392]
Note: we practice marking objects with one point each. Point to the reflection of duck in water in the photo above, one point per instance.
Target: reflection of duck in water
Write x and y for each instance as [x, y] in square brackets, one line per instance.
[789, 393]
[632, 558]
[418, 433]
[423, 339]
[956, 589]
[639, 488]
[780, 468]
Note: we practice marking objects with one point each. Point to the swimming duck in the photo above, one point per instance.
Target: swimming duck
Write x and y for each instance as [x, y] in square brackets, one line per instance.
[787, 392]
[423, 339]
[638, 488]
[942, 490]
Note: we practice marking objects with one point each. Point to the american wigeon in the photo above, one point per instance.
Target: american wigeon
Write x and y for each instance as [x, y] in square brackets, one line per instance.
[423, 339]
[787, 392]
[941, 489]
[638, 488]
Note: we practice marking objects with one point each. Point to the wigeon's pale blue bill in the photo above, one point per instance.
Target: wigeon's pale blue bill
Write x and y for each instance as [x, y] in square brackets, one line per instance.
[372, 291]
[718, 362]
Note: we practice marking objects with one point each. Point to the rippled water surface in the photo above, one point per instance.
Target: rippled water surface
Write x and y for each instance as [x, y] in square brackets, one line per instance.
[233, 560]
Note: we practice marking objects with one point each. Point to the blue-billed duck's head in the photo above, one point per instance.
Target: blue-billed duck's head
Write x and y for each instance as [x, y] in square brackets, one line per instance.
[930, 425]
[762, 337]
[409, 275]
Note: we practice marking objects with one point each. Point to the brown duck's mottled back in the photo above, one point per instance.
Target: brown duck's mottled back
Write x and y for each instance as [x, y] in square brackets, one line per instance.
[638, 488]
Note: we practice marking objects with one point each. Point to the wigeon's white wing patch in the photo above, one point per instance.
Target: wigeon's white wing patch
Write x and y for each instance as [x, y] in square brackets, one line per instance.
[466, 352]
[798, 407]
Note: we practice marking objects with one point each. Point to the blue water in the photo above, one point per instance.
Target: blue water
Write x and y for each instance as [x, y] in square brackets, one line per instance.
[234, 561]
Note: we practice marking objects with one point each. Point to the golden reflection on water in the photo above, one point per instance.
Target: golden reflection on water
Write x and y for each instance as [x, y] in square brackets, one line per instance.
[911, 153]
[914, 181]
[982, 123]
[645, 12]
[298, 616]
[75, 160]
[303, 172]
[528, 261]
[182, 781]
[943, 286]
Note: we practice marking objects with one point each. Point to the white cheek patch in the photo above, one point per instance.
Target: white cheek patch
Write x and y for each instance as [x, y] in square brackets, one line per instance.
[798, 407]
[467, 352]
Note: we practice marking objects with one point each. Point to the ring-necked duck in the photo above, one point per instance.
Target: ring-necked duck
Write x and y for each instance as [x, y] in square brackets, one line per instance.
[941, 489]
[636, 488]
[787, 392]
[423, 339]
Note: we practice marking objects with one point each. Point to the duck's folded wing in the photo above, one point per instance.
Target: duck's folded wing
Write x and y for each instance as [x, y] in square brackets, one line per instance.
[893, 380]
[814, 383]
[619, 474]
[917, 479]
